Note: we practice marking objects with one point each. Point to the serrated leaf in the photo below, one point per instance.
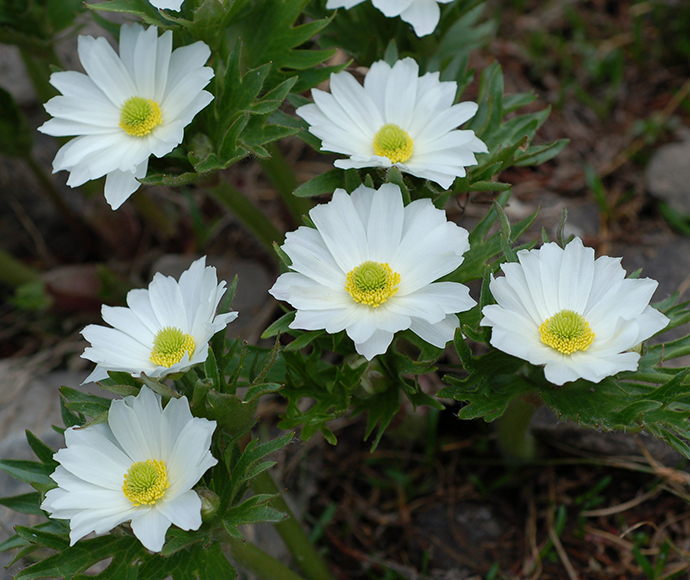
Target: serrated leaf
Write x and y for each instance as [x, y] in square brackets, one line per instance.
[75, 559]
[195, 563]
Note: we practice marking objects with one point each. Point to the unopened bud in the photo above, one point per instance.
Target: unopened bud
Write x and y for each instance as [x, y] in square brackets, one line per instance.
[210, 503]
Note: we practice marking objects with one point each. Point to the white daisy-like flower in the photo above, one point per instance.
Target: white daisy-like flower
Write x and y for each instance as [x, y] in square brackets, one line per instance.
[141, 466]
[423, 15]
[164, 330]
[396, 119]
[125, 108]
[369, 269]
[578, 316]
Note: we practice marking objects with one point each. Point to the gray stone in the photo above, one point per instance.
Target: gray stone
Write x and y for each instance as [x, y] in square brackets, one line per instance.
[668, 175]
[13, 77]
[26, 403]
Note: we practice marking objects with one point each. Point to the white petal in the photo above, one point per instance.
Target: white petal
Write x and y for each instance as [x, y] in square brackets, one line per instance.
[184, 511]
[342, 230]
[437, 334]
[106, 69]
[150, 526]
[423, 15]
[376, 344]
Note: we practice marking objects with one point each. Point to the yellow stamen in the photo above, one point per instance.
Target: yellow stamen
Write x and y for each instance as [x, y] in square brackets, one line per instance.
[372, 283]
[139, 116]
[170, 345]
[145, 482]
[393, 142]
[566, 332]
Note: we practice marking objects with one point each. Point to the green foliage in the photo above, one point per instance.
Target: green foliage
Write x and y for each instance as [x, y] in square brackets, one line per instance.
[15, 136]
[32, 25]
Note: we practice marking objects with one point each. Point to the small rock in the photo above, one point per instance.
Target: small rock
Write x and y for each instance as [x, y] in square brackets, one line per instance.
[668, 175]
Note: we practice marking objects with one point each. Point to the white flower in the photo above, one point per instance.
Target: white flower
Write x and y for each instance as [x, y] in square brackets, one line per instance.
[125, 108]
[166, 328]
[141, 465]
[423, 15]
[369, 269]
[396, 119]
[576, 315]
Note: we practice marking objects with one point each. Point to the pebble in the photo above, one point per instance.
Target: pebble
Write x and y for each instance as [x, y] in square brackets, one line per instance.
[668, 175]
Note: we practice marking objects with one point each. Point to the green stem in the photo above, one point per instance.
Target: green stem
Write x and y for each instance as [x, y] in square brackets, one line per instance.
[515, 438]
[281, 175]
[255, 560]
[15, 273]
[73, 221]
[153, 213]
[294, 537]
[249, 214]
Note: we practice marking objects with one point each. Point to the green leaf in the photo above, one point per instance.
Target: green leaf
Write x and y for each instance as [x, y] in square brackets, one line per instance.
[261, 389]
[489, 386]
[75, 559]
[42, 451]
[27, 503]
[324, 183]
[198, 562]
[42, 538]
[85, 403]
[268, 34]
[304, 339]
[279, 326]
[254, 510]
[140, 8]
[27, 471]
[122, 390]
[177, 539]
[381, 408]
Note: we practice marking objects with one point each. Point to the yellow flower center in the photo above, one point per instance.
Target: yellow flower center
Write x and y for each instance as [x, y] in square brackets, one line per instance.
[566, 332]
[145, 482]
[393, 142]
[170, 345]
[372, 283]
[139, 116]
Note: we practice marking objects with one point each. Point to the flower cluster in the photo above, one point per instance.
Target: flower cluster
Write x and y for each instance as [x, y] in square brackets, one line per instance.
[370, 264]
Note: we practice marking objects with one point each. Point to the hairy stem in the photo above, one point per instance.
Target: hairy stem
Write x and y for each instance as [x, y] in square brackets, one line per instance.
[256, 561]
[296, 540]
[515, 438]
[14, 273]
[281, 175]
[249, 214]
[74, 222]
